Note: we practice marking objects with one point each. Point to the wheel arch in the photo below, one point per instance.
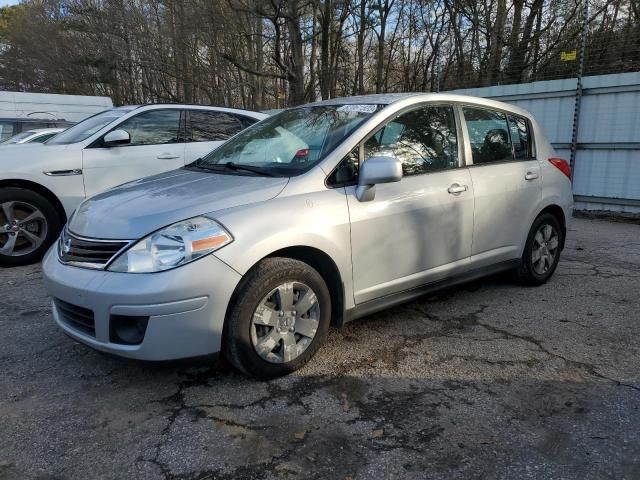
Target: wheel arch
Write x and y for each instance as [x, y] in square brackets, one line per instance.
[40, 189]
[558, 212]
[323, 263]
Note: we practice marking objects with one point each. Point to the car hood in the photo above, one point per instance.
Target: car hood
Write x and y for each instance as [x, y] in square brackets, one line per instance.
[135, 209]
[36, 158]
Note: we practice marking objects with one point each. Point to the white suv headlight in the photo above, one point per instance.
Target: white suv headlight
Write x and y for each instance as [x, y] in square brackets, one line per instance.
[175, 245]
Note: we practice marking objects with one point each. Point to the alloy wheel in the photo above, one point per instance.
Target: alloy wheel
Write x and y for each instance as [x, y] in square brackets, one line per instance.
[545, 248]
[23, 228]
[285, 322]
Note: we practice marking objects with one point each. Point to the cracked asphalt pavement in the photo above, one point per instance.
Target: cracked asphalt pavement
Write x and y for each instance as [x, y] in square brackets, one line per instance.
[489, 380]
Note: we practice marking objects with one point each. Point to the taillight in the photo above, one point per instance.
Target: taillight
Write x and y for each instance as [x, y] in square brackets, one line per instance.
[302, 153]
[562, 165]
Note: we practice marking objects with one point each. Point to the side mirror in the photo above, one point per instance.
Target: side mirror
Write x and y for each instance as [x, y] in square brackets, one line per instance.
[116, 137]
[376, 170]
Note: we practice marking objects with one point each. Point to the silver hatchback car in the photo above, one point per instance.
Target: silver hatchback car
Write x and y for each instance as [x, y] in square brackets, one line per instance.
[313, 217]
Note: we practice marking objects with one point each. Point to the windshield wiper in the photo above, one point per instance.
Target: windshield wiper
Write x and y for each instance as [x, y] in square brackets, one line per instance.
[247, 168]
[230, 166]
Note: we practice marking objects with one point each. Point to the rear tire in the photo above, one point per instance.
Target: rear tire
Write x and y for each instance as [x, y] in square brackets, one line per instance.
[542, 251]
[265, 334]
[29, 224]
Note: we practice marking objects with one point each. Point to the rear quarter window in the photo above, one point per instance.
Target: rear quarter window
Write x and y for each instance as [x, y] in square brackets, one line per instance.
[520, 129]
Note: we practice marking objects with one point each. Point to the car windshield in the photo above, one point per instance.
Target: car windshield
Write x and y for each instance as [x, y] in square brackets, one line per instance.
[17, 138]
[288, 143]
[83, 130]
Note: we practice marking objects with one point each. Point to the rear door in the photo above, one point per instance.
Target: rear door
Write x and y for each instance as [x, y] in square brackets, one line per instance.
[208, 129]
[506, 182]
[157, 145]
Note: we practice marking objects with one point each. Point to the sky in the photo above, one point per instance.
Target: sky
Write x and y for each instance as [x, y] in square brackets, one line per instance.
[4, 3]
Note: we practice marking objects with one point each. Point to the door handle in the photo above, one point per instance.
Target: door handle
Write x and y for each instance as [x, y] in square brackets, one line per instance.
[531, 176]
[456, 189]
[167, 156]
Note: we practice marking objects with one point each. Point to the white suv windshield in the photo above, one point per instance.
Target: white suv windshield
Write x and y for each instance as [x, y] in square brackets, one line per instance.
[88, 127]
[291, 142]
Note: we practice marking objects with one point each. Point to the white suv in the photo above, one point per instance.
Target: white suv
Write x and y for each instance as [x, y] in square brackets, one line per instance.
[40, 185]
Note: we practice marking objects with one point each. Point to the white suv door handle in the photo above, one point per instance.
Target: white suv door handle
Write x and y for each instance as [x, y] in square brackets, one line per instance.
[456, 189]
[531, 176]
[167, 156]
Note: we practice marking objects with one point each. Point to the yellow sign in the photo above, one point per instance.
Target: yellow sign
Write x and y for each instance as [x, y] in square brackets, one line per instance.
[568, 56]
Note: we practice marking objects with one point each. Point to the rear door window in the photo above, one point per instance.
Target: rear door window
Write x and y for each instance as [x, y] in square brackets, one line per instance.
[488, 135]
[246, 121]
[213, 126]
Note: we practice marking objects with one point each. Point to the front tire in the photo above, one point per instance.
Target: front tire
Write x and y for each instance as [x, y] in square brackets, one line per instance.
[542, 251]
[29, 224]
[279, 318]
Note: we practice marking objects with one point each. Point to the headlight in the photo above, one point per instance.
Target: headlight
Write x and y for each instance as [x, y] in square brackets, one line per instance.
[175, 245]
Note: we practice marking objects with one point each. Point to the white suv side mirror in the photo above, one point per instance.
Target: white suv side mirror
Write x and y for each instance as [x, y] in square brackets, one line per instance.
[116, 137]
[376, 170]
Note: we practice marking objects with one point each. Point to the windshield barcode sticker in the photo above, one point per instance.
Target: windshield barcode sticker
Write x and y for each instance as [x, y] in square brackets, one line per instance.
[357, 108]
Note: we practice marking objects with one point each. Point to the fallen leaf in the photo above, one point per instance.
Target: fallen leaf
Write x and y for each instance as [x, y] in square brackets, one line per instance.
[300, 435]
[345, 403]
[377, 433]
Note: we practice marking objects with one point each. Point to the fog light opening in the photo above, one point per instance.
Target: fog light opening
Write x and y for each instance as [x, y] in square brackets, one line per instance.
[128, 330]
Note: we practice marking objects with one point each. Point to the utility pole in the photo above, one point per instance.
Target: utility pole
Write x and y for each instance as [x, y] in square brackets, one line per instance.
[576, 110]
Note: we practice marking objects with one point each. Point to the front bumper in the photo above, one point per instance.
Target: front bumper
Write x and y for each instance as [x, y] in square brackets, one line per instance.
[185, 307]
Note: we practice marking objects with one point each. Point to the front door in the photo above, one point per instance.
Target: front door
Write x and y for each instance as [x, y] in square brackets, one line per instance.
[156, 146]
[418, 230]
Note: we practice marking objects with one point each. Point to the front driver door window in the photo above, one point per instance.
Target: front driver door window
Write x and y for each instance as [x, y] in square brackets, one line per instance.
[157, 127]
[414, 231]
[157, 145]
[424, 140]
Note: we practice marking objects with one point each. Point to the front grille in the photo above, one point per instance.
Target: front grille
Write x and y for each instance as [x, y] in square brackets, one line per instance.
[76, 317]
[87, 252]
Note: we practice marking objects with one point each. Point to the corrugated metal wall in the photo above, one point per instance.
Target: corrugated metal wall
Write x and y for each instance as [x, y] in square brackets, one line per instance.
[607, 166]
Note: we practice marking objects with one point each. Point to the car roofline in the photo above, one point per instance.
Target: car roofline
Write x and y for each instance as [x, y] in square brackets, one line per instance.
[387, 99]
[197, 107]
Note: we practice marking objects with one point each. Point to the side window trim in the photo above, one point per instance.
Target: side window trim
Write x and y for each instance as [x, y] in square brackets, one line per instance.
[467, 140]
[183, 132]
